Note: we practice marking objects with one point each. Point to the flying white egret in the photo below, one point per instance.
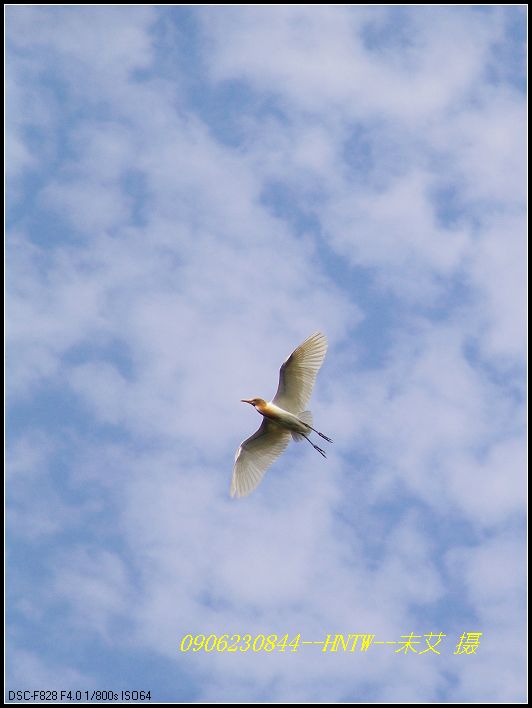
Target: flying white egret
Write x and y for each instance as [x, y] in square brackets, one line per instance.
[284, 417]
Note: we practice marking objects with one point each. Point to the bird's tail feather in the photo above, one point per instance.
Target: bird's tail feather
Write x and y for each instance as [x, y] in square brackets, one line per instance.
[304, 417]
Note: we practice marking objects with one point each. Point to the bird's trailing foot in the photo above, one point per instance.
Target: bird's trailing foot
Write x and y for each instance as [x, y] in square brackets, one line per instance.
[320, 434]
[322, 452]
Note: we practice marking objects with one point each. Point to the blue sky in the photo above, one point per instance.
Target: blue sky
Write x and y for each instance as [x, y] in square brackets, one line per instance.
[192, 191]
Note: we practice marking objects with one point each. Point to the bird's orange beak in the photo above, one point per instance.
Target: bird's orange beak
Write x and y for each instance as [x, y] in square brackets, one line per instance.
[245, 400]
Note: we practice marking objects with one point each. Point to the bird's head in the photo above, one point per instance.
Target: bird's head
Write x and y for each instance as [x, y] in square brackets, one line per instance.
[254, 401]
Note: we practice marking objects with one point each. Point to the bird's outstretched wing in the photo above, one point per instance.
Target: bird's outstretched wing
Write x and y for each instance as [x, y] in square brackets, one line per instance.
[298, 374]
[255, 455]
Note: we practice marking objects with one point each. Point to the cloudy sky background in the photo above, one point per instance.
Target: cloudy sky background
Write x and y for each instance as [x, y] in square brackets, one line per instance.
[192, 191]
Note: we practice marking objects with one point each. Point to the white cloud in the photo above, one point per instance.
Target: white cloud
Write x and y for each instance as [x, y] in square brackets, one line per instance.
[322, 60]
[28, 671]
[396, 230]
[493, 576]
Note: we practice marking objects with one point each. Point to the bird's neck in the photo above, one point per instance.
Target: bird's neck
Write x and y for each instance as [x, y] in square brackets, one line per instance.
[262, 408]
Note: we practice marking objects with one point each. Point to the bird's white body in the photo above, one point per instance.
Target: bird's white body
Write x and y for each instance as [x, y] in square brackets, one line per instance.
[284, 417]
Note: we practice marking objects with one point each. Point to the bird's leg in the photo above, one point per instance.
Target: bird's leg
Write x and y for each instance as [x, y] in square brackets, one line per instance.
[322, 452]
[321, 434]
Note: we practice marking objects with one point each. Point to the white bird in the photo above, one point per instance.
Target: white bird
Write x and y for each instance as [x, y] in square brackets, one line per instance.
[284, 417]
